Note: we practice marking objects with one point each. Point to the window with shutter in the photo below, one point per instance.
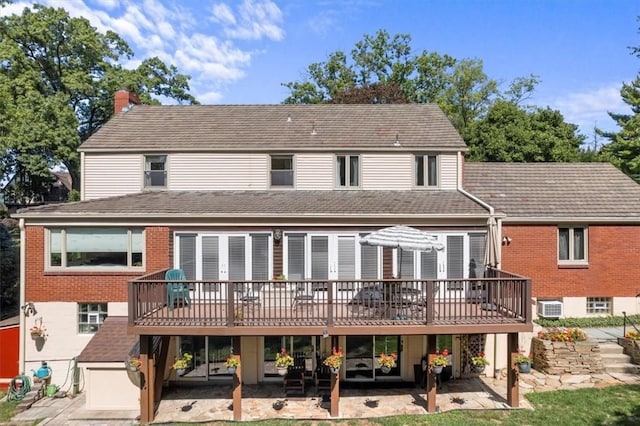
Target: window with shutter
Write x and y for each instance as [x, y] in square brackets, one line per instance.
[319, 257]
[455, 260]
[237, 268]
[259, 257]
[187, 261]
[295, 256]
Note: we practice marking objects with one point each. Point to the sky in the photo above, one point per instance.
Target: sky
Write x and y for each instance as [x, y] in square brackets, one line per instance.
[241, 51]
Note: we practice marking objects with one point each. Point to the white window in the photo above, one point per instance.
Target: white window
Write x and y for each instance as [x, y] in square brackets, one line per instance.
[155, 171]
[282, 170]
[572, 245]
[598, 305]
[95, 248]
[426, 171]
[90, 317]
[348, 171]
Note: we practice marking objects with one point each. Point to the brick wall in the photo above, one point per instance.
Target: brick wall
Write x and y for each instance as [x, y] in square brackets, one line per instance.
[613, 270]
[62, 286]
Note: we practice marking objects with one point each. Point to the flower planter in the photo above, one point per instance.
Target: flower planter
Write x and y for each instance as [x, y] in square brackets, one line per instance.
[437, 369]
[131, 367]
[181, 371]
[524, 367]
[282, 371]
[231, 370]
[36, 336]
[478, 368]
[385, 369]
[335, 370]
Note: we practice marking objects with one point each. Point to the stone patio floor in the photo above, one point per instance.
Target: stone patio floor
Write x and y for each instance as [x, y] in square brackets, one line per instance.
[212, 402]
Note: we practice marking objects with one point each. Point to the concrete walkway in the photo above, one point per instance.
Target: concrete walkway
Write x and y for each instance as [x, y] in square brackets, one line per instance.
[213, 403]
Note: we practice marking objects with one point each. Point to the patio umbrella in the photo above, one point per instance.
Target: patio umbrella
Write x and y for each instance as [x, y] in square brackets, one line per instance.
[492, 245]
[402, 237]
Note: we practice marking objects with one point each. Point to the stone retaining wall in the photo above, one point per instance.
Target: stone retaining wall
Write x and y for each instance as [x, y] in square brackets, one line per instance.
[566, 357]
[631, 348]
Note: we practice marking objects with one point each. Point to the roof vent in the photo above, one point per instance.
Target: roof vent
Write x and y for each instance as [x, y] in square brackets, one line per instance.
[397, 142]
[313, 129]
[288, 119]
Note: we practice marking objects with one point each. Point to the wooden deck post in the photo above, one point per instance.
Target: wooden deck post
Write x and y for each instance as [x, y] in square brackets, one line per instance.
[335, 395]
[147, 403]
[430, 384]
[237, 391]
[513, 387]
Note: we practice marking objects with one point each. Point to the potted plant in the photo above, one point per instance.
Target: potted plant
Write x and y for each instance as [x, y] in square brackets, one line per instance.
[440, 361]
[283, 361]
[133, 363]
[479, 362]
[37, 332]
[387, 362]
[523, 362]
[334, 361]
[181, 363]
[232, 364]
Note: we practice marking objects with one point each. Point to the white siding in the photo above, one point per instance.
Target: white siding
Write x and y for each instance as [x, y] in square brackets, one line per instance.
[314, 171]
[63, 342]
[111, 175]
[387, 171]
[448, 171]
[200, 171]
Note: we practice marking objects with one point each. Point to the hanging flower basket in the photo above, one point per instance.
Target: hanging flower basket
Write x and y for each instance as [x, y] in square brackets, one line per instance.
[334, 361]
[387, 362]
[231, 370]
[283, 362]
[385, 369]
[282, 371]
[36, 332]
[437, 369]
[133, 363]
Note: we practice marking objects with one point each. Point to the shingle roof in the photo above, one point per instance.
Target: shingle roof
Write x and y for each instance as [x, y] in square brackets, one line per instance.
[194, 204]
[111, 343]
[277, 127]
[555, 190]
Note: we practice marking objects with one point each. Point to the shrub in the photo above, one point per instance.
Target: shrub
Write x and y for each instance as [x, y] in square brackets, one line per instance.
[561, 334]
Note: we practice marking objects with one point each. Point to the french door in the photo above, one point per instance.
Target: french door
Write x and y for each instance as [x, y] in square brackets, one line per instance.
[221, 257]
[361, 357]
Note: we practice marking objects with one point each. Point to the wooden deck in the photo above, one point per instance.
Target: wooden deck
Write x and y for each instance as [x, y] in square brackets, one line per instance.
[500, 304]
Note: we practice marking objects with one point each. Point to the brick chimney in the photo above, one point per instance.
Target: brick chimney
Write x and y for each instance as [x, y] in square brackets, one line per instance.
[122, 100]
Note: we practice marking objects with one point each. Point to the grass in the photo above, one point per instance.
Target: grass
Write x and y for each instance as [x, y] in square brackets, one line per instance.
[609, 406]
[7, 409]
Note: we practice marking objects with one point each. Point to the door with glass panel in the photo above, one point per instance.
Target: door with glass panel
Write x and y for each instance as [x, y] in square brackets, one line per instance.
[304, 349]
[362, 354]
[220, 257]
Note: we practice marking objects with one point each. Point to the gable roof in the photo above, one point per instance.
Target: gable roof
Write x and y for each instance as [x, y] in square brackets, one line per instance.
[277, 127]
[570, 191]
[240, 205]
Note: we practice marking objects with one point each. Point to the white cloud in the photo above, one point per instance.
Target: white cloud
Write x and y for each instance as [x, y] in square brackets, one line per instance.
[253, 20]
[590, 108]
[168, 30]
[223, 14]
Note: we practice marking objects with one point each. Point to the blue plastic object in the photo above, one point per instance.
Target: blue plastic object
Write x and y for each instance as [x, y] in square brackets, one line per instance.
[177, 291]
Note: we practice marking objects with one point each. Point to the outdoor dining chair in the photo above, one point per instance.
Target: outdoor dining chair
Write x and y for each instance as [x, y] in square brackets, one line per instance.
[177, 291]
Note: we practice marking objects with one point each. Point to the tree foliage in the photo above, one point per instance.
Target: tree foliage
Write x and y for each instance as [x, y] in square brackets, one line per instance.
[511, 133]
[9, 266]
[58, 75]
[383, 68]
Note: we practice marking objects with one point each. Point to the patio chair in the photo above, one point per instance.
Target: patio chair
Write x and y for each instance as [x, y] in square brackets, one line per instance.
[304, 296]
[294, 379]
[177, 291]
[322, 378]
[250, 295]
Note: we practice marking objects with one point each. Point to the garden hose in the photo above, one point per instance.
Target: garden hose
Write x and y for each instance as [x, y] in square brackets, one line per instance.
[18, 388]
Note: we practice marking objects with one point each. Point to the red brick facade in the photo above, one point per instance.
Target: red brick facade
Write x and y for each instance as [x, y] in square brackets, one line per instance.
[96, 287]
[613, 269]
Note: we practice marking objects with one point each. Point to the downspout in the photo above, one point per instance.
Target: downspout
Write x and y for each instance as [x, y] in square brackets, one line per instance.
[23, 318]
[499, 224]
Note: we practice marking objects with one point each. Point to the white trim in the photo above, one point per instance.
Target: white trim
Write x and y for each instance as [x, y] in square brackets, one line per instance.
[23, 291]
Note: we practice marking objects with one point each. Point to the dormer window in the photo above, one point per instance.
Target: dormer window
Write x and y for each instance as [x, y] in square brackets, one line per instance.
[155, 171]
[426, 170]
[348, 171]
[282, 170]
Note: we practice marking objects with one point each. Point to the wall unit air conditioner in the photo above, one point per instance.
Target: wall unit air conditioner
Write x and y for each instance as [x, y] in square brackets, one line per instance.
[549, 309]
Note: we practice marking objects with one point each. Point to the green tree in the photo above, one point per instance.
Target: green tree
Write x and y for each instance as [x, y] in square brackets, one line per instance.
[511, 133]
[383, 68]
[9, 265]
[624, 149]
[57, 79]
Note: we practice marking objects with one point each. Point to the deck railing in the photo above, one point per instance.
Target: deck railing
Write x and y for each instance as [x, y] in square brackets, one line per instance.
[501, 298]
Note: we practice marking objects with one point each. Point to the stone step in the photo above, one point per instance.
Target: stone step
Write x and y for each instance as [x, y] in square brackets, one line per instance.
[615, 359]
[610, 348]
[627, 368]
